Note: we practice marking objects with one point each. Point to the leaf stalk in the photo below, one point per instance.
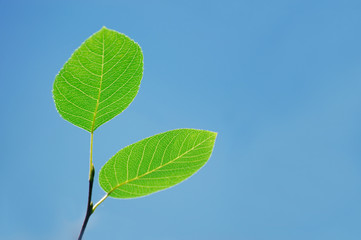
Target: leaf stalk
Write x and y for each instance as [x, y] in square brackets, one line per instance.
[100, 201]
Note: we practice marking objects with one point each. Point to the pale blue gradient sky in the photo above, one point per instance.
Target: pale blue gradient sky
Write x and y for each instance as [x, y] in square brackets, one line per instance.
[280, 82]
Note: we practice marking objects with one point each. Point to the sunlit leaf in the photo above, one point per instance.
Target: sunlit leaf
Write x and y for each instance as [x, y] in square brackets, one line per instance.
[100, 79]
[156, 163]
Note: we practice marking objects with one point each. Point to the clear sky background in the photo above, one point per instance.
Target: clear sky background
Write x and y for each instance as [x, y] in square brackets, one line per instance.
[280, 81]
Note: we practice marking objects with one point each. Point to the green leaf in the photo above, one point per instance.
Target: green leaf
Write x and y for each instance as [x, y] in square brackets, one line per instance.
[156, 163]
[100, 79]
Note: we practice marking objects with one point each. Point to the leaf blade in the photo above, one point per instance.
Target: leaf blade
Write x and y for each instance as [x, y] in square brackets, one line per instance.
[156, 163]
[100, 79]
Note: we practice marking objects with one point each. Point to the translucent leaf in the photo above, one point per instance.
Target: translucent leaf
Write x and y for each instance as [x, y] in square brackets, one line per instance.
[156, 163]
[100, 79]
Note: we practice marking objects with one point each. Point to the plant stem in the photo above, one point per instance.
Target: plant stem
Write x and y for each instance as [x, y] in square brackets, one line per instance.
[91, 166]
[90, 209]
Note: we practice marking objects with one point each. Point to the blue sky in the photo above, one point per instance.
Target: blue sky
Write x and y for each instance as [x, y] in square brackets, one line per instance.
[279, 81]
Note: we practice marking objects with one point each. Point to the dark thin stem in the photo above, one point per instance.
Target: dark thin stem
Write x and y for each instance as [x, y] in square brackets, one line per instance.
[89, 210]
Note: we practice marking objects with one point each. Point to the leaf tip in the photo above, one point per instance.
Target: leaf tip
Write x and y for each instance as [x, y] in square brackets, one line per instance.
[104, 28]
[214, 133]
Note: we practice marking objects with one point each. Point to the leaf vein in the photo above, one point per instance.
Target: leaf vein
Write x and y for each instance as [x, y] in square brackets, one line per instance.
[121, 47]
[56, 86]
[81, 64]
[61, 75]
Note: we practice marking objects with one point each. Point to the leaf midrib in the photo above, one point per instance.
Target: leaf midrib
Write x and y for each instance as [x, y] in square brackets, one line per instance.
[155, 169]
[100, 87]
